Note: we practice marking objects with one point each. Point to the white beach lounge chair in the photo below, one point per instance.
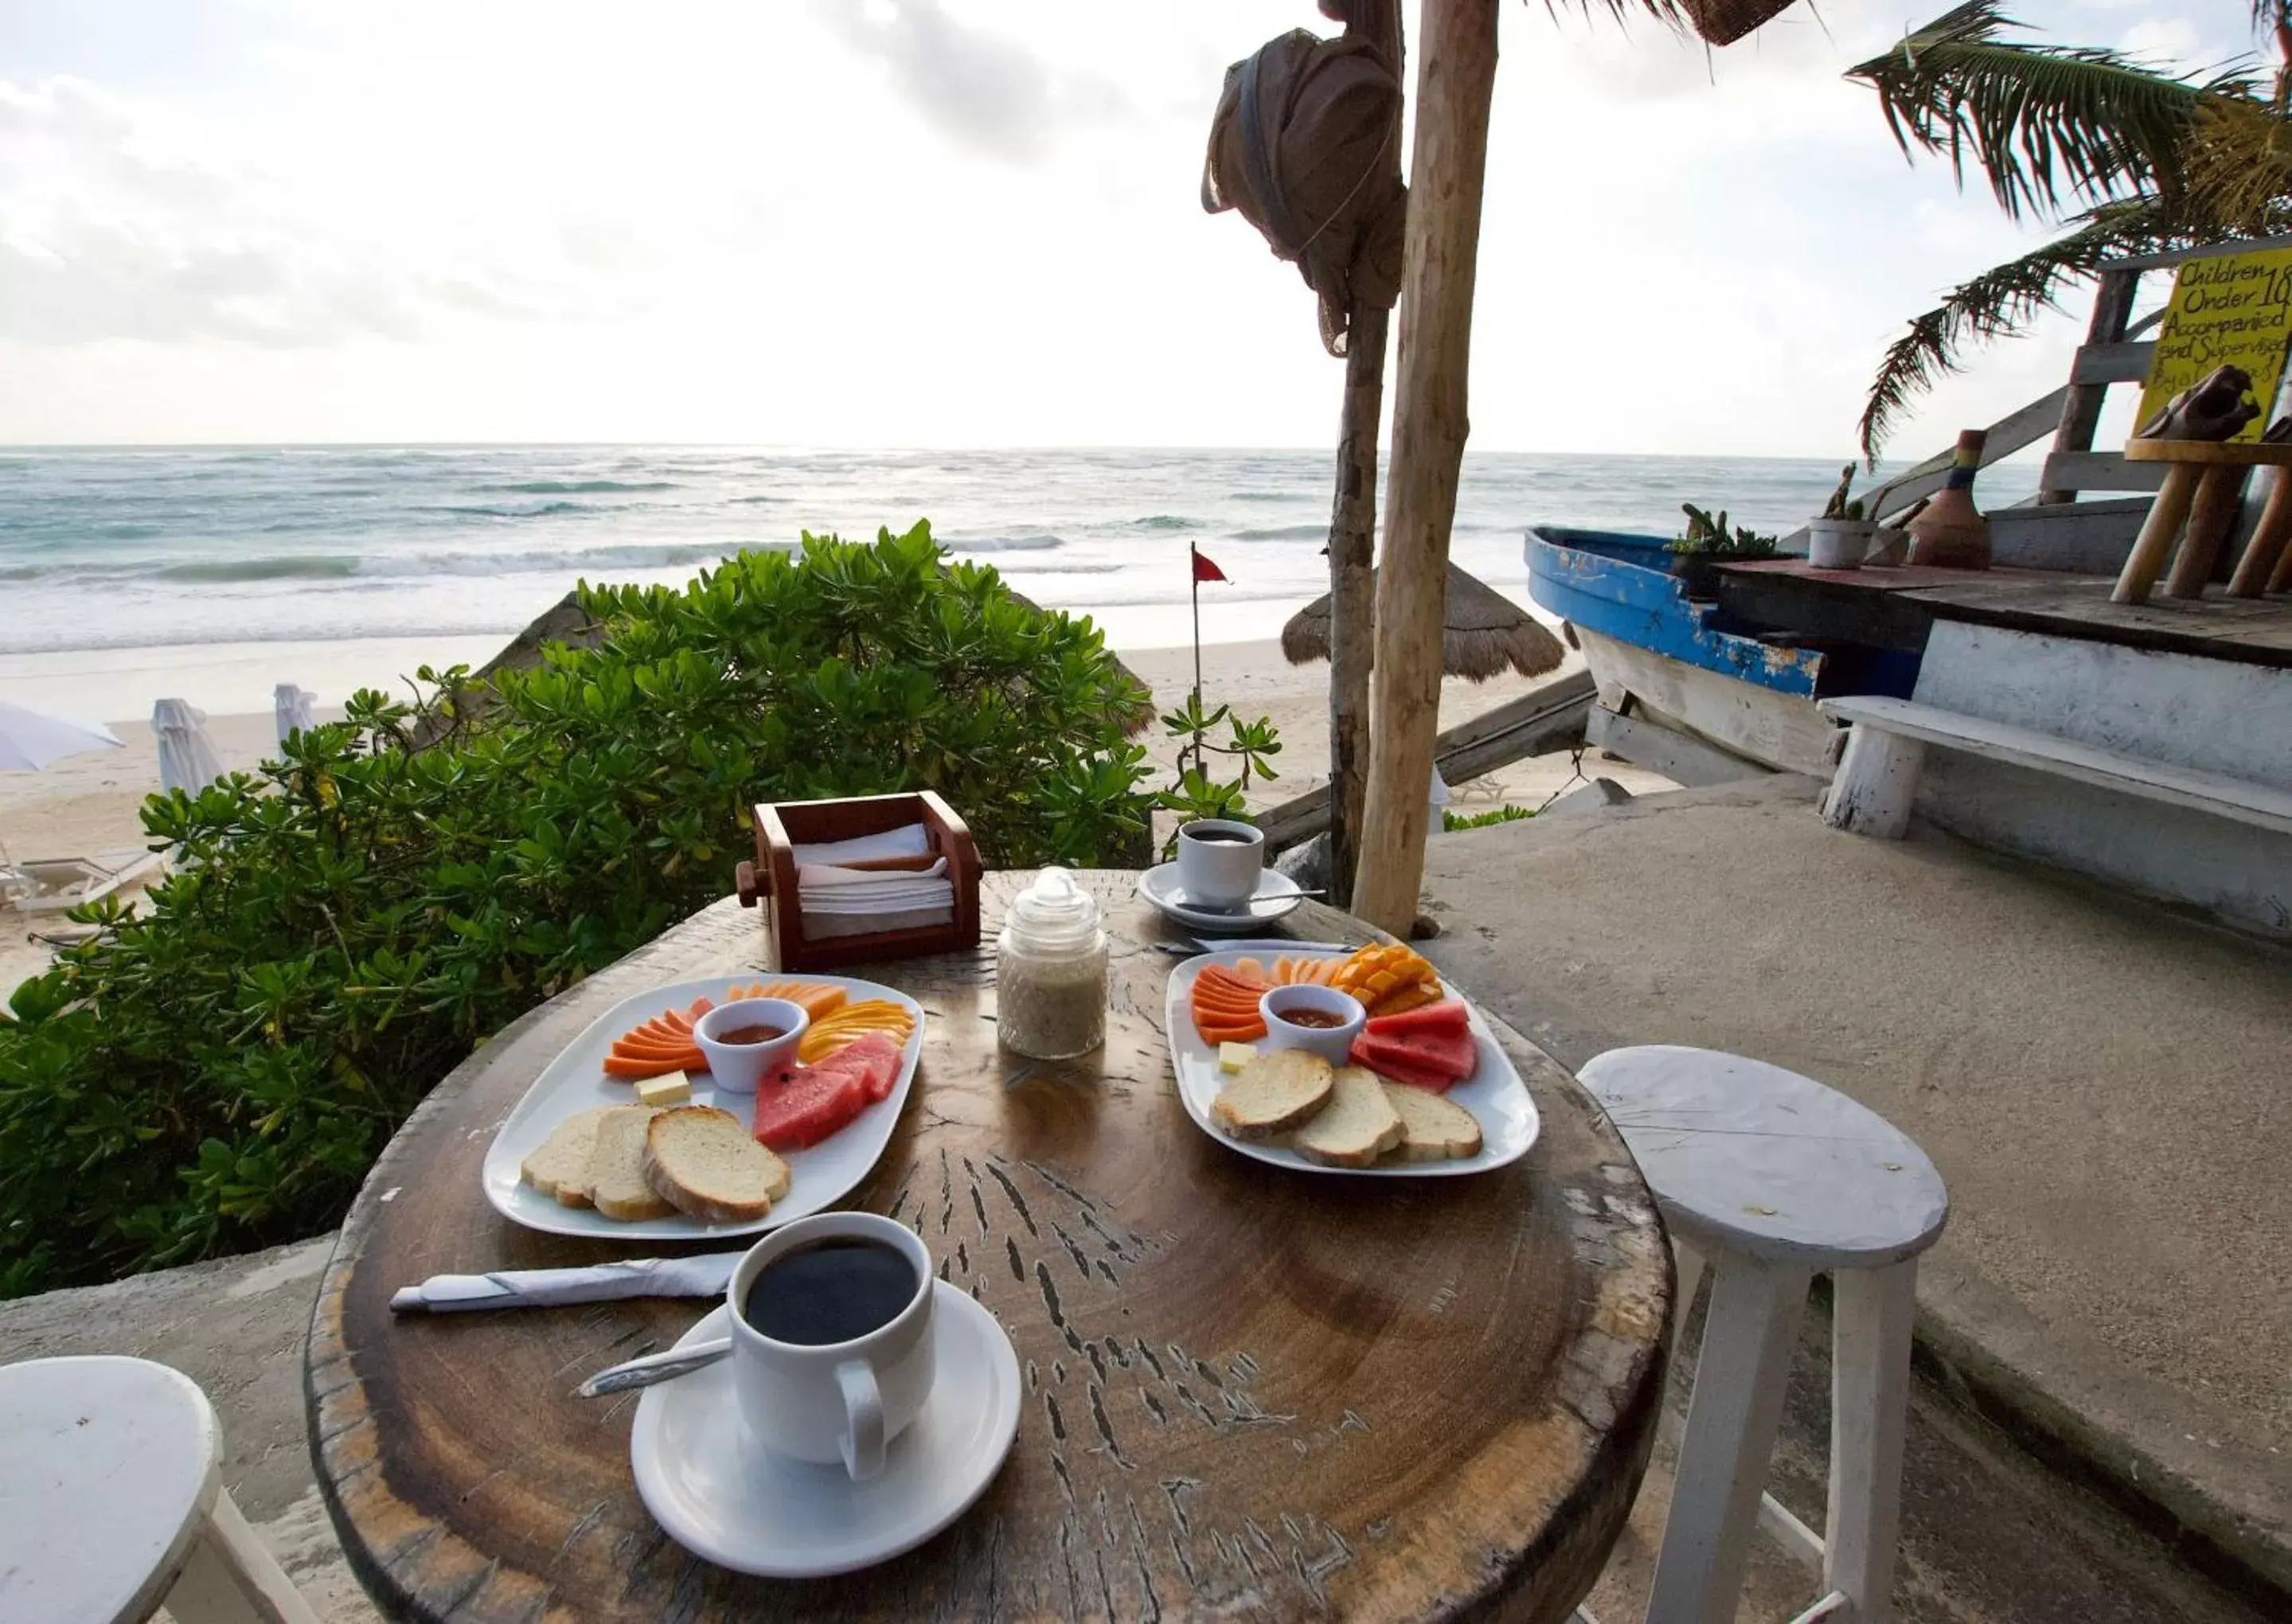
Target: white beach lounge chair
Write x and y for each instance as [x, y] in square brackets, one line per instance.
[54, 884]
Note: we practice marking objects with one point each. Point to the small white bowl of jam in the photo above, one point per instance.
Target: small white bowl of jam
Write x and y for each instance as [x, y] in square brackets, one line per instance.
[1321, 1019]
[747, 1039]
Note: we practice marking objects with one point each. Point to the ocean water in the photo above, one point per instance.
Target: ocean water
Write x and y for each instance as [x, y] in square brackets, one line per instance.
[117, 549]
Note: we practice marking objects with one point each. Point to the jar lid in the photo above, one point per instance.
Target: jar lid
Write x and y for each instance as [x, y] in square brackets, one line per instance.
[1054, 912]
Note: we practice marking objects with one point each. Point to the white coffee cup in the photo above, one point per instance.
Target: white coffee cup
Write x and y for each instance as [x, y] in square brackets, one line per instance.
[1219, 861]
[838, 1400]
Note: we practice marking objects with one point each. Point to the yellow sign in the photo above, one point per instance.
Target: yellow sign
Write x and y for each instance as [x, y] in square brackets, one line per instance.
[2235, 310]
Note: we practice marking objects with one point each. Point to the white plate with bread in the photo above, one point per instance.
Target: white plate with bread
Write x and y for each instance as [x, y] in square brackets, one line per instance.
[579, 1146]
[1289, 1108]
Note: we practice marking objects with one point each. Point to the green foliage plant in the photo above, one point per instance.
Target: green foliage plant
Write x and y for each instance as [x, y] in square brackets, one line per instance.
[1709, 536]
[216, 1070]
[1452, 823]
[1839, 506]
[1193, 791]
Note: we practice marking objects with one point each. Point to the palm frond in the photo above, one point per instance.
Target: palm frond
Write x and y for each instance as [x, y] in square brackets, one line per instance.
[2237, 164]
[2050, 125]
[2002, 300]
[1621, 12]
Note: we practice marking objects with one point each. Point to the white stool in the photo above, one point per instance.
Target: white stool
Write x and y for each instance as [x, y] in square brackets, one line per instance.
[112, 1501]
[1769, 1178]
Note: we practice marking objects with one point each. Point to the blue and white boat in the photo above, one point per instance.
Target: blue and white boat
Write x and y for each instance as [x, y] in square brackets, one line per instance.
[1701, 670]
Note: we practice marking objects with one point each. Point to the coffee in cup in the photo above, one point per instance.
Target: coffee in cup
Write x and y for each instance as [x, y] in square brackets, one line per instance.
[832, 1338]
[1219, 863]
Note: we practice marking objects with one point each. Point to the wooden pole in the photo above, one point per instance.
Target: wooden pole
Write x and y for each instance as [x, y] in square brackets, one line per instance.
[2081, 403]
[2268, 538]
[1456, 67]
[2211, 516]
[1352, 530]
[1194, 575]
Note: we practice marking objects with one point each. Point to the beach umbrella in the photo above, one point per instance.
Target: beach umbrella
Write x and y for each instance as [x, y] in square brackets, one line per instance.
[189, 760]
[292, 709]
[29, 740]
[1483, 633]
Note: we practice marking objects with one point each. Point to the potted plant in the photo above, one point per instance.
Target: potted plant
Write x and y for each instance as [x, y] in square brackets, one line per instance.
[1841, 537]
[1708, 542]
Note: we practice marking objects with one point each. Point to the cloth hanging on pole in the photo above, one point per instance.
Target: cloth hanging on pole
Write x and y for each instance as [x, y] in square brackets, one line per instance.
[293, 710]
[189, 760]
[1305, 145]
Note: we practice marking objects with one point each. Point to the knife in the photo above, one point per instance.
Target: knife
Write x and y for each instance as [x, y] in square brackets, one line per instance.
[1249, 944]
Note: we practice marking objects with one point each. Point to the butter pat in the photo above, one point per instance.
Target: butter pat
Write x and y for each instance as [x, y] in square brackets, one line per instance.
[669, 1088]
[1234, 1056]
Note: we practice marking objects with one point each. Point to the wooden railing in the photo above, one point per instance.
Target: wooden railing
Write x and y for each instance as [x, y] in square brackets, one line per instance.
[2113, 352]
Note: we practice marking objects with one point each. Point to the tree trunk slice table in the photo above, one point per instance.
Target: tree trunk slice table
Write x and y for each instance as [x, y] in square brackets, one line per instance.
[1248, 1392]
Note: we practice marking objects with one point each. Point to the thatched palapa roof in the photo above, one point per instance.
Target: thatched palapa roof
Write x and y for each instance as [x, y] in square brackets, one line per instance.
[1485, 632]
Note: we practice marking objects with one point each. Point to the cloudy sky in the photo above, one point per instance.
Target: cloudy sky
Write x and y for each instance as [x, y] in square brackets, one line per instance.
[929, 222]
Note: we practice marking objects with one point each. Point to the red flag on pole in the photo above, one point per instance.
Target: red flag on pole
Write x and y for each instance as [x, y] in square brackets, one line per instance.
[1205, 571]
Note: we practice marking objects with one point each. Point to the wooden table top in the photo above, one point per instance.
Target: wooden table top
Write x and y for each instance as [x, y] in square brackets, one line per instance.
[1249, 1391]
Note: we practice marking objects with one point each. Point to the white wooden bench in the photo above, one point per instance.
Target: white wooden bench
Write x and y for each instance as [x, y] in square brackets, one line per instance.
[1877, 778]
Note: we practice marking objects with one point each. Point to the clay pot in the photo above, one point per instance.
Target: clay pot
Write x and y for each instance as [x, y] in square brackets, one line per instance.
[1951, 532]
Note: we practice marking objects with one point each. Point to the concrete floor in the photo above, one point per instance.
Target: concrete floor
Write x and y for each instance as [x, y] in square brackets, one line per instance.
[2101, 1082]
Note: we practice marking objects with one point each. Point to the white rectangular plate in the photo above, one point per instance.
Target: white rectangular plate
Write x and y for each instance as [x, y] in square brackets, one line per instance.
[1494, 1094]
[576, 1080]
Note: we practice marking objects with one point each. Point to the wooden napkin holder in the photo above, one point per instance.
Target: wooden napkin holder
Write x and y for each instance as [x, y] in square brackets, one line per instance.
[782, 827]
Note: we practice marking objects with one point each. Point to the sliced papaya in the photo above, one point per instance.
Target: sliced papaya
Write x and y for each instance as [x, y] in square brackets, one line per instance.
[631, 1070]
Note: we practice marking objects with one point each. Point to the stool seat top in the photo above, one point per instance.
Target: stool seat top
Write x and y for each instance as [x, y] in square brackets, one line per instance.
[108, 1467]
[1750, 1157]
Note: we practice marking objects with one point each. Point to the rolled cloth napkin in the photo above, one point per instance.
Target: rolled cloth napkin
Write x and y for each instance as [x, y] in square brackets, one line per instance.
[704, 1275]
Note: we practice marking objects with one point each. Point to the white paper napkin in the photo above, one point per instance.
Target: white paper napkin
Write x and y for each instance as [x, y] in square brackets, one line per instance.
[899, 901]
[706, 1275]
[830, 876]
[821, 926]
[913, 841]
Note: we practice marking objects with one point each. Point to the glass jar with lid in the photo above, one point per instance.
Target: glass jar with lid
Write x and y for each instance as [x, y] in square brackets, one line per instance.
[1050, 971]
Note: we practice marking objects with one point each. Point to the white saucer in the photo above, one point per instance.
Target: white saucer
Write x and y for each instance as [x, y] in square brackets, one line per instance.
[743, 1507]
[1276, 895]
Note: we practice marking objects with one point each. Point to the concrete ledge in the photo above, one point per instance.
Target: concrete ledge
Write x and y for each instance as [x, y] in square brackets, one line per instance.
[2179, 1467]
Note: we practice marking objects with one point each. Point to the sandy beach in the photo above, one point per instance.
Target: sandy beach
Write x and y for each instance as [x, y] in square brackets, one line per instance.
[88, 804]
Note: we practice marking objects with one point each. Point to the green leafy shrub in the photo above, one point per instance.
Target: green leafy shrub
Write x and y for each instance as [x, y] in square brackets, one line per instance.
[216, 1071]
[1454, 822]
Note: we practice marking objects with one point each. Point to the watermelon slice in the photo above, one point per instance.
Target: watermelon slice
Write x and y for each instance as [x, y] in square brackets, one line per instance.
[1446, 1017]
[1451, 1054]
[798, 1114]
[1415, 1077]
[875, 1059]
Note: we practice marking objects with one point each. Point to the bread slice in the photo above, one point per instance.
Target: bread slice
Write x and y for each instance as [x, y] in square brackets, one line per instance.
[701, 1161]
[1273, 1094]
[1434, 1127]
[617, 1187]
[1357, 1126]
[560, 1167]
